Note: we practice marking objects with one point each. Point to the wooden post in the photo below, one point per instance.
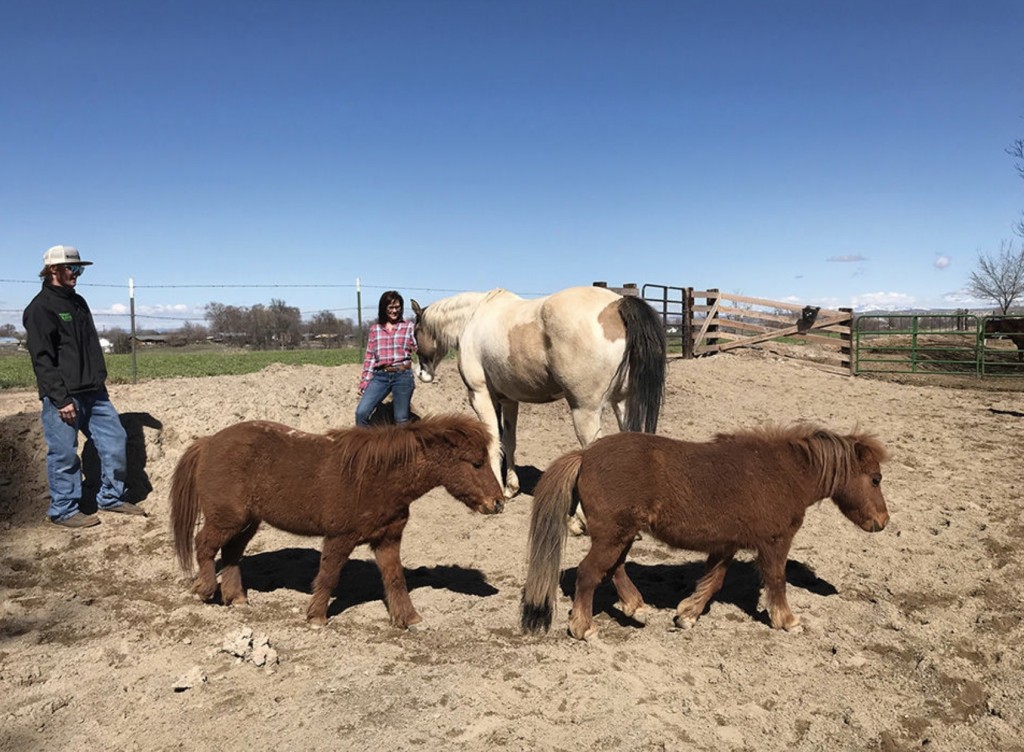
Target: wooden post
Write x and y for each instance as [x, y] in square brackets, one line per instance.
[686, 325]
[846, 348]
[711, 300]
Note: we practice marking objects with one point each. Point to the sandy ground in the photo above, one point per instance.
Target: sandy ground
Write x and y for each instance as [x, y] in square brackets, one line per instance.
[911, 637]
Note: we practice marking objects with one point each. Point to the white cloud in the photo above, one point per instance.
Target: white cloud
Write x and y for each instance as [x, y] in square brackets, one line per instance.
[849, 259]
[942, 261]
[883, 301]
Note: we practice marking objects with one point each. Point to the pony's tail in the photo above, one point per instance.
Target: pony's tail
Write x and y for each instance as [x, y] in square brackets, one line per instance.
[185, 506]
[645, 360]
[552, 501]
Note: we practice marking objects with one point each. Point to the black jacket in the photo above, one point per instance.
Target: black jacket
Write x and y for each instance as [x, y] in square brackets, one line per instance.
[64, 345]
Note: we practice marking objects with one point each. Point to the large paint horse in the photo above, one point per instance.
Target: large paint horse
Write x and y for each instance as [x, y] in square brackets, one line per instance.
[587, 345]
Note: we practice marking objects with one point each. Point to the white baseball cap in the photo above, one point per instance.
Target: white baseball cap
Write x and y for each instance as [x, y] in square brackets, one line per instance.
[63, 254]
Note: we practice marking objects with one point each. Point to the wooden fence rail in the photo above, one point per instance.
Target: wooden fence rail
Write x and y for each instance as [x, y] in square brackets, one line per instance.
[705, 322]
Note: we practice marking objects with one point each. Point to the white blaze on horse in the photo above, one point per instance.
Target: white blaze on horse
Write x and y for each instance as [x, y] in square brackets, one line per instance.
[587, 345]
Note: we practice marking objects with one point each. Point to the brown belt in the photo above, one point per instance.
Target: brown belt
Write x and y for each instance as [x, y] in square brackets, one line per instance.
[394, 369]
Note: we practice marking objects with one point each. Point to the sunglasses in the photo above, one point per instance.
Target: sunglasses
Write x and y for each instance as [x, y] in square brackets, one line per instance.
[75, 269]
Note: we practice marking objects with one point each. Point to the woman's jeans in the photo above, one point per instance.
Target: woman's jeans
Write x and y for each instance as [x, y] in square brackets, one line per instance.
[98, 420]
[399, 383]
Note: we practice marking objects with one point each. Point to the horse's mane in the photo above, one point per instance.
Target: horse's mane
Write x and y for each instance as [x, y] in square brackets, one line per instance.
[380, 449]
[445, 319]
[833, 454]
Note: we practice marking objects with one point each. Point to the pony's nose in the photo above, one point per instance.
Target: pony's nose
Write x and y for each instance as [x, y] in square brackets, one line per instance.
[499, 506]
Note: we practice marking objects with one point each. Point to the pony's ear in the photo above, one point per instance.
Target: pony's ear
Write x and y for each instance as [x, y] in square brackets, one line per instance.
[415, 307]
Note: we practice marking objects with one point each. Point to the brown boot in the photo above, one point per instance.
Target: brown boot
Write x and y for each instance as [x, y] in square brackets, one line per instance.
[125, 507]
[78, 520]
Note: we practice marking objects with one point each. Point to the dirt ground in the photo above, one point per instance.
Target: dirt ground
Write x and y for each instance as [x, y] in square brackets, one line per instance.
[911, 637]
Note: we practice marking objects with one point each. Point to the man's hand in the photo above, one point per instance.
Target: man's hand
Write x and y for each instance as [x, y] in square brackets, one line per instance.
[68, 413]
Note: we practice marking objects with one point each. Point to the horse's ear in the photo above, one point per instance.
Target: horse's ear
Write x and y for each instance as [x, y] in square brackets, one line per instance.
[415, 307]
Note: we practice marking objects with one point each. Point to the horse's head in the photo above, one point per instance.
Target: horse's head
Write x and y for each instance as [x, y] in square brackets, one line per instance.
[466, 472]
[430, 351]
[860, 497]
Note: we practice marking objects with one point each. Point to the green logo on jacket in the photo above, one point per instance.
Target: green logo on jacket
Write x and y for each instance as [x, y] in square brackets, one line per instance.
[64, 316]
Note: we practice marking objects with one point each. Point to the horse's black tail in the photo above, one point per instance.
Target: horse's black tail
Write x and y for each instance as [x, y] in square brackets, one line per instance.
[645, 360]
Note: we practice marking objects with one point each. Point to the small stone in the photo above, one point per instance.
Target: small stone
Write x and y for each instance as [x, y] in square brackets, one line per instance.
[190, 679]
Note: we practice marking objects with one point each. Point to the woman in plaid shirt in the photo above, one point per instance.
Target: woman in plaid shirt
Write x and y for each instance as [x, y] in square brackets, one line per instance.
[387, 367]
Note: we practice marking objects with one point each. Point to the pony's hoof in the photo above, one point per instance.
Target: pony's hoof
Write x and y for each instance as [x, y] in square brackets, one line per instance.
[684, 622]
[794, 627]
[640, 615]
[408, 622]
[317, 622]
[584, 636]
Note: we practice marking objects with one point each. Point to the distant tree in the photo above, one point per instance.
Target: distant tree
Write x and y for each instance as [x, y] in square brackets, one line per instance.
[227, 323]
[1017, 152]
[999, 278]
[189, 333]
[286, 323]
[329, 330]
[120, 340]
[8, 330]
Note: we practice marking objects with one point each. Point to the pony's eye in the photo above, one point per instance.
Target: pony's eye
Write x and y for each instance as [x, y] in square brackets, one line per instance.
[478, 464]
[876, 480]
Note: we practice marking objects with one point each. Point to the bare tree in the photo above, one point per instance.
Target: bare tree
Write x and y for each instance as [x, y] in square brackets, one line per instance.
[1000, 278]
[1017, 152]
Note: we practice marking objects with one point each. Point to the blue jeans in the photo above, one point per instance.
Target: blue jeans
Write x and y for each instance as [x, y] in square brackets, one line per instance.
[98, 420]
[400, 384]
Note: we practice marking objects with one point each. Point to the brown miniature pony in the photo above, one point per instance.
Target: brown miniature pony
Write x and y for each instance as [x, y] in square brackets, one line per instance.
[351, 486]
[746, 490]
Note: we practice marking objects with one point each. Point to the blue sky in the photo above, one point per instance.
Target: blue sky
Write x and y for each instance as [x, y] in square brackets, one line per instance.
[831, 153]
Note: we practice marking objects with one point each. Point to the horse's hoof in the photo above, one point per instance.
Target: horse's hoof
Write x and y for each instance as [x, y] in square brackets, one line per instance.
[317, 622]
[576, 527]
[640, 615]
[684, 622]
[794, 626]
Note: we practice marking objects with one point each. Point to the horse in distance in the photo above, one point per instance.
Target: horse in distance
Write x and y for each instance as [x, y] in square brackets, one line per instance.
[586, 345]
[1010, 326]
[746, 490]
[351, 486]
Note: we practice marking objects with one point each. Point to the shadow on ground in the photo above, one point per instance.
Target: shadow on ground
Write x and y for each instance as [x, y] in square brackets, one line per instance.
[295, 569]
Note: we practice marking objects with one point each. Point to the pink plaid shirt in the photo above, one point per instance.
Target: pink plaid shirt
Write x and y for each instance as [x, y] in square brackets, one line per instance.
[384, 348]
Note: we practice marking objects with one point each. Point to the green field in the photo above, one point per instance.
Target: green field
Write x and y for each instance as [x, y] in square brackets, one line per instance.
[168, 363]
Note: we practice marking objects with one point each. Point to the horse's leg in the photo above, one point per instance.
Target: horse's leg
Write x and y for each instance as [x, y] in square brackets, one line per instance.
[396, 593]
[335, 553]
[604, 556]
[630, 601]
[690, 609]
[771, 560]
[619, 408]
[509, 419]
[587, 422]
[209, 540]
[231, 589]
[487, 412]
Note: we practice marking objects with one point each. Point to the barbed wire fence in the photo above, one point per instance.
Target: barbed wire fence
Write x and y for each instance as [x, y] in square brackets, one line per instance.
[166, 320]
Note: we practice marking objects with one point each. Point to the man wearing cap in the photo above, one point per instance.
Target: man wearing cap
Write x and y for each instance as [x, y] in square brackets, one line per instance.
[71, 375]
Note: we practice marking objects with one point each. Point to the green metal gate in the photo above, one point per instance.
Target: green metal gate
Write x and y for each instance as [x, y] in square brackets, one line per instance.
[945, 344]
